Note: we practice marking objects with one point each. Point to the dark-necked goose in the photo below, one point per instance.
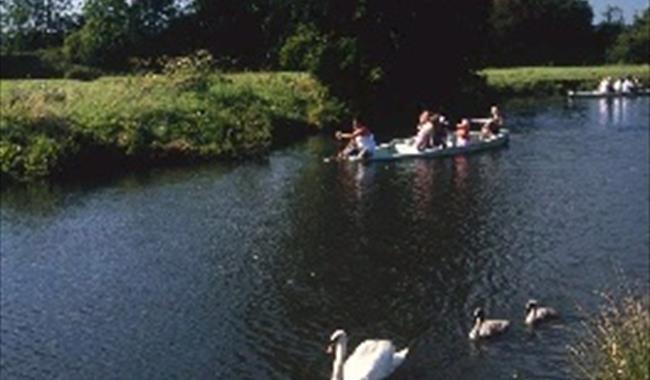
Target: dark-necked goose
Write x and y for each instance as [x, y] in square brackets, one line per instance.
[485, 328]
[536, 313]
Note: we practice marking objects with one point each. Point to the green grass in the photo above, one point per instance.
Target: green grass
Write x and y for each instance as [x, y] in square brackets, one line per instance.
[52, 127]
[557, 80]
[616, 344]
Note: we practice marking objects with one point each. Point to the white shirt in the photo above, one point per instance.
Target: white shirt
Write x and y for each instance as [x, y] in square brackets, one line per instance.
[366, 142]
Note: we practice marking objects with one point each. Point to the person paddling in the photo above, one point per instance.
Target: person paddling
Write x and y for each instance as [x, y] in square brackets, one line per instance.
[492, 125]
[361, 141]
[425, 129]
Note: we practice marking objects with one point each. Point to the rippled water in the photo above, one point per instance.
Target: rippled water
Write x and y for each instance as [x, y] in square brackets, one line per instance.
[242, 272]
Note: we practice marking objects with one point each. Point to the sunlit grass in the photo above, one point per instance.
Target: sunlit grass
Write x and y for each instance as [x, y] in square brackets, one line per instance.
[556, 80]
[616, 343]
[46, 125]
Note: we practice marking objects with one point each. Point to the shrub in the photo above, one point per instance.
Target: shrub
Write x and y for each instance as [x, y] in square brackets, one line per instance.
[190, 72]
[82, 73]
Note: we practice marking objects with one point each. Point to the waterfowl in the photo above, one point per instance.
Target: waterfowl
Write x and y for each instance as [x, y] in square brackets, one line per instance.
[371, 360]
[485, 328]
[536, 313]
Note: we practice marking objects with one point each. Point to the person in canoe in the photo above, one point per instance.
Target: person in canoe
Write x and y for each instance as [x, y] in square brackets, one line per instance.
[361, 141]
[462, 133]
[425, 130]
[605, 85]
[440, 126]
[492, 125]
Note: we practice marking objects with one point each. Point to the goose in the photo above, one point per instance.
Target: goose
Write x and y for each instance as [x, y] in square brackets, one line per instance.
[371, 360]
[485, 328]
[536, 313]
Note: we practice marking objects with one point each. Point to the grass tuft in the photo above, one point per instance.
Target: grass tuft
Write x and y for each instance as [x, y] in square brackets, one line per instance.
[616, 344]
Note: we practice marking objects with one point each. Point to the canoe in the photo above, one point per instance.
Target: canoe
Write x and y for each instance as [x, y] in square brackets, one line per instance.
[597, 94]
[402, 148]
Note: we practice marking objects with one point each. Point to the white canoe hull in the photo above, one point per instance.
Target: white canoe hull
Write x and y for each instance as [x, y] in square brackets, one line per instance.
[400, 148]
[597, 94]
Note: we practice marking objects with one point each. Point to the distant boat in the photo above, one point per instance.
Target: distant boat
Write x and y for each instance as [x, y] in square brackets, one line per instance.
[402, 148]
[598, 94]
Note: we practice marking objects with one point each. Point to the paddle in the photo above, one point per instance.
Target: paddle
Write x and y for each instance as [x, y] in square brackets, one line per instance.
[339, 152]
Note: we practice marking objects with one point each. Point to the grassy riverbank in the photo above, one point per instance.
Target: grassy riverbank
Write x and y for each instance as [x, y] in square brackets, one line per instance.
[617, 342]
[61, 127]
[556, 80]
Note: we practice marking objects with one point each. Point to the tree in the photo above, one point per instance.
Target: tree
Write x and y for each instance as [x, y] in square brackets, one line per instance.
[33, 24]
[633, 45]
[387, 55]
[104, 37]
[540, 32]
[606, 32]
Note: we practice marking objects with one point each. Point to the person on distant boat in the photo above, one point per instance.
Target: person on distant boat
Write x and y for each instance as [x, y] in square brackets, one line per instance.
[440, 125]
[425, 129]
[605, 85]
[618, 85]
[628, 86]
[493, 124]
[462, 133]
[362, 141]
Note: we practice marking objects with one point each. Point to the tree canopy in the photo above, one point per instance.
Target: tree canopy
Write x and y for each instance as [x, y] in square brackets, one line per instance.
[367, 51]
[633, 45]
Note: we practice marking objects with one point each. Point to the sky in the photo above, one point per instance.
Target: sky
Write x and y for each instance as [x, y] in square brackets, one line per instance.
[629, 7]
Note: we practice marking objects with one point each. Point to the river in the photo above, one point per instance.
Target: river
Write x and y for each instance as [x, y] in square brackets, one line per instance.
[242, 271]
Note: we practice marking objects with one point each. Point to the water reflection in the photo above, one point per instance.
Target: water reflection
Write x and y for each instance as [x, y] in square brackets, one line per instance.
[356, 180]
[422, 190]
[613, 111]
[460, 173]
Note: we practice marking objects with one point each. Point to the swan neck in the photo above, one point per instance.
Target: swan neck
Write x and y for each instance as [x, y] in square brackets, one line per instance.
[339, 357]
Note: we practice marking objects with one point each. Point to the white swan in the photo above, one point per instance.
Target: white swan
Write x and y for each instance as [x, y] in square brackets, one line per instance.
[485, 328]
[371, 360]
[536, 313]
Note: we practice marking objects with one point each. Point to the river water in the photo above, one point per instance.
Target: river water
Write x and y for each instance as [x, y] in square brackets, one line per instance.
[243, 271]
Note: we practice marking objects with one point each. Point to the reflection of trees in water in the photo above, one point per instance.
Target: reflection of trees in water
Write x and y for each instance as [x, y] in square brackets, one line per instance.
[50, 197]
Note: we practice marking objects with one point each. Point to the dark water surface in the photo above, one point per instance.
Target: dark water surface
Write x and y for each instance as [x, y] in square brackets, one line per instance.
[242, 272]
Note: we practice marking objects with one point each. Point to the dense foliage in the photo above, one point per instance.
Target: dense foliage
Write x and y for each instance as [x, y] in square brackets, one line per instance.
[633, 45]
[366, 51]
[540, 32]
[62, 127]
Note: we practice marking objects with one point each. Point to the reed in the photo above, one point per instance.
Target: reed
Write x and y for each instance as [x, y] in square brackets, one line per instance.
[615, 345]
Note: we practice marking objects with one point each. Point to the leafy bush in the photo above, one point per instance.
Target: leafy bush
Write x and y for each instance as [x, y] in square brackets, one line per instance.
[82, 73]
[27, 65]
[188, 72]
